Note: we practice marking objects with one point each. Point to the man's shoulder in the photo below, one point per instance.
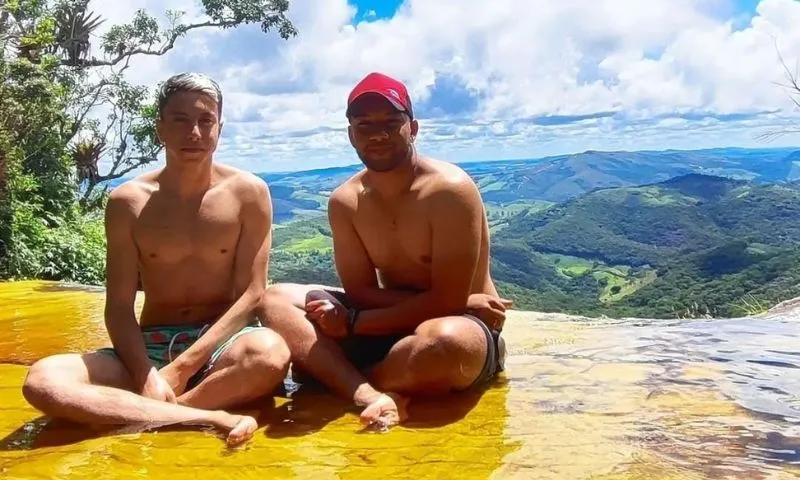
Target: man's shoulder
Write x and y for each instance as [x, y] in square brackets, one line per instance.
[133, 191]
[448, 180]
[346, 194]
[246, 185]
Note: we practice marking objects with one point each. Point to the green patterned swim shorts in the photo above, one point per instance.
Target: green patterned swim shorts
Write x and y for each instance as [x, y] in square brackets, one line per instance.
[165, 342]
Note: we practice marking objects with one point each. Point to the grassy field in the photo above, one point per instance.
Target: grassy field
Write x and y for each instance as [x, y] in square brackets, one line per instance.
[317, 243]
[321, 197]
[498, 213]
[619, 284]
[617, 281]
[655, 197]
[572, 267]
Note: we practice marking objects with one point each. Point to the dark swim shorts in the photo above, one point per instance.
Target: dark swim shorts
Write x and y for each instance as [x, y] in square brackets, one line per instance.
[363, 351]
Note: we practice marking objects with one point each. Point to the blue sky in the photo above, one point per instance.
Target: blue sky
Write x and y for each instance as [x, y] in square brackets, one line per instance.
[371, 10]
[519, 79]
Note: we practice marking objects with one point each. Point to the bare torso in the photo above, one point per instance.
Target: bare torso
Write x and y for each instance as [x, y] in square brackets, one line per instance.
[398, 237]
[187, 248]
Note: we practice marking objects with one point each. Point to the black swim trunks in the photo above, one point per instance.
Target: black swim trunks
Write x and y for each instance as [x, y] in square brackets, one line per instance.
[363, 351]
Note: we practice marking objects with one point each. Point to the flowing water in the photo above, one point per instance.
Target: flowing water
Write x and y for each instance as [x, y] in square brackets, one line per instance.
[581, 399]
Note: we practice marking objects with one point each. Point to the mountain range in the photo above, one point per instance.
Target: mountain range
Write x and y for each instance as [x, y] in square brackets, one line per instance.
[658, 234]
[694, 244]
[508, 183]
[655, 234]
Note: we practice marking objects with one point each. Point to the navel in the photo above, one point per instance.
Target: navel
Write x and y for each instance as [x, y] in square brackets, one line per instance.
[153, 255]
[224, 250]
[425, 258]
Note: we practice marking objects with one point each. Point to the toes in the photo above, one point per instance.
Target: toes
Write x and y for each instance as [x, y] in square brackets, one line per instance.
[370, 414]
[243, 431]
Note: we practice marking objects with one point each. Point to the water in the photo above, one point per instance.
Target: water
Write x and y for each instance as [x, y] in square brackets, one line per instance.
[750, 363]
[622, 399]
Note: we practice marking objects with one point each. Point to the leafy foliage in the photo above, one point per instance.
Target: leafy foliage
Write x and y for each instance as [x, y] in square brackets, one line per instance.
[52, 180]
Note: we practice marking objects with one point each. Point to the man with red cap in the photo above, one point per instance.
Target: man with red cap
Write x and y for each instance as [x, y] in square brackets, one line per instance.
[418, 313]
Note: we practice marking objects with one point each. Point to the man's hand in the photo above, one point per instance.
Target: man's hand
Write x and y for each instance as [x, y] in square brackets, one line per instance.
[157, 388]
[327, 313]
[489, 309]
[176, 376]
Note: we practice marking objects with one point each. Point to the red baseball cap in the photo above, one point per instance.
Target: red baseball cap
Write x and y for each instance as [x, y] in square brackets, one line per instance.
[389, 88]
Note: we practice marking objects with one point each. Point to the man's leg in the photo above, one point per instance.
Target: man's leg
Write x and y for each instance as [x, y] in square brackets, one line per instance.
[283, 309]
[96, 388]
[249, 365]
[443, 355]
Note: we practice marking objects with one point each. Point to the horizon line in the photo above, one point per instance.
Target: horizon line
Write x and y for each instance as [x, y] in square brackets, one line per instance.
[551, 157]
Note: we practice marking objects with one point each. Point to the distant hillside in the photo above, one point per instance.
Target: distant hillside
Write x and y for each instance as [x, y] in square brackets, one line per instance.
[692, 245]
[513, 185]
[689, 239]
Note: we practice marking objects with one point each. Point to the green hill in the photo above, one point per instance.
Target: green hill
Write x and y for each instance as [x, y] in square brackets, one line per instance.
[692, 245]
[513, 185]
[695, 243]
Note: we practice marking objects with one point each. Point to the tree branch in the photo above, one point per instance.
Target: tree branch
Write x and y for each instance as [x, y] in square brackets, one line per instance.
[176, 33]
[98, 89]
[793, 86]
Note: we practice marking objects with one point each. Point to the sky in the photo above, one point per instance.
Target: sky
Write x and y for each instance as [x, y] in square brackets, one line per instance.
[496, 80]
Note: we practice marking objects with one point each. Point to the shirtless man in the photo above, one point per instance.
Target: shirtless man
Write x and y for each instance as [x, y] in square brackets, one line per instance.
[199, 234]
[418, 313]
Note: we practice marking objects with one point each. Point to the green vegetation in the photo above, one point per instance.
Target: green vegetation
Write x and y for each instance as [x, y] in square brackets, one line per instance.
[303, 236]
[559, 179]
[575, 233]
[694, 245]
[697, 245]
[302, 252]
[499, 213]
[55, 160]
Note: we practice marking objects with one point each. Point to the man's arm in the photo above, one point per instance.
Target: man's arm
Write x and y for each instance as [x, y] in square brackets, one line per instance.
[356, 271]
[456, 217]
[250, 276]
[122, 276]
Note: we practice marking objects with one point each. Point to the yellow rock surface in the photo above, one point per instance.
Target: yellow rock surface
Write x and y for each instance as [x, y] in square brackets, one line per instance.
[557, 413]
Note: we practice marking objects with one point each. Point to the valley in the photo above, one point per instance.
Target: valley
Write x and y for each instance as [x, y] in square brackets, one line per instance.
[660, 234]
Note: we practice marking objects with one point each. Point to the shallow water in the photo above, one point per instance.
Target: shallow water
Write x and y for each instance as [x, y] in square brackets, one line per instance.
[594, 400]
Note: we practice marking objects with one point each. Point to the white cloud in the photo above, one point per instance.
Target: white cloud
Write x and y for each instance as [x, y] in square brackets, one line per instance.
[647, 62]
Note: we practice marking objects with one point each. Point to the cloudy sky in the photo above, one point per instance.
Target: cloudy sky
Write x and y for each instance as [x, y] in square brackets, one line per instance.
[496, 80]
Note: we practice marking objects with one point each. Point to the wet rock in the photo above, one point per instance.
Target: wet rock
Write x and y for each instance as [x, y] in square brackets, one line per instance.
[581, 399]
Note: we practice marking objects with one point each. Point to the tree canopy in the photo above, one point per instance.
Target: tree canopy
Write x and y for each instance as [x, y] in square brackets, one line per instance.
[55, 157]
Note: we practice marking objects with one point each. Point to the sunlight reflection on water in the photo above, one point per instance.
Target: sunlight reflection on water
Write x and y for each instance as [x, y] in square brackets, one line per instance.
[757, 368]
[600, 400]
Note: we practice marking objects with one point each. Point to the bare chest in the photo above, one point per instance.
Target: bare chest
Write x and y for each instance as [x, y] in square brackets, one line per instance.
[396, 239]
[167, 232]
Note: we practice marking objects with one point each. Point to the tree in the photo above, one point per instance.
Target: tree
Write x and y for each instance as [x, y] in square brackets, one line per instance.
[53, 78]
[793, 90]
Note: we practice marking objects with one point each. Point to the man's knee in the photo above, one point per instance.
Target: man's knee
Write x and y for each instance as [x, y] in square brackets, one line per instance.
[452, 336]
[280, 295]
[44, 380]
[261, 352]
[457, 345]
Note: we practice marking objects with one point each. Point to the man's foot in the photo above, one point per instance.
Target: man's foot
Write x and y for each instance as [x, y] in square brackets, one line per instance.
[387, 410]
[240, 428]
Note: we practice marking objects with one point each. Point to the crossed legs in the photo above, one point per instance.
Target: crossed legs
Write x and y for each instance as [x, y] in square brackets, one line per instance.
[442, 354]
[96, 388]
